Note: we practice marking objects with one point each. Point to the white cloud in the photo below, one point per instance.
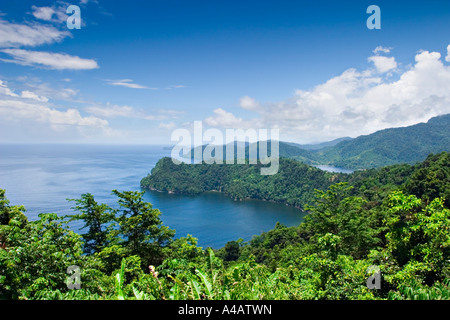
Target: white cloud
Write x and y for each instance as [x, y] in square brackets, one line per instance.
[447, 58]
[56, 13]
[354, 103]
[128, 83]
[225, 119]
[248, 103]
[382, 49]
[15, 35]
[56, 61]
[29, 117]
[4, 90]
[43, 89]
[383, 64]
[31, 95]
[43, 13]
[19, 110]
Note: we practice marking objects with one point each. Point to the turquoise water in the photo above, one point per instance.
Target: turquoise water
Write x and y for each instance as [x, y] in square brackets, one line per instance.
[42, 177]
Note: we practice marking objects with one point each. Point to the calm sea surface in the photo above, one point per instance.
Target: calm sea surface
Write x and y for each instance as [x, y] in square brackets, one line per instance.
[42, 177]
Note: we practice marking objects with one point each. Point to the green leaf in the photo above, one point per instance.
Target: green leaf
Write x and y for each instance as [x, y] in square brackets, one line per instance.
[195, 288]
[207, 285]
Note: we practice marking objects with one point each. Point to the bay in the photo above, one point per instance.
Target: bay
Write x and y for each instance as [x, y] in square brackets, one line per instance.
[42, 177]
[334, 169]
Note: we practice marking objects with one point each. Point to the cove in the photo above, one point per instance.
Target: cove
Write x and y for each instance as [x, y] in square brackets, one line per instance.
[214, 218]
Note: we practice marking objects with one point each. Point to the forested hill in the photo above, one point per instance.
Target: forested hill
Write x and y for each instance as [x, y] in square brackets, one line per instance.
[386, 147]
[295, 182]
[321, 145]
[390, 146]
[285, 150]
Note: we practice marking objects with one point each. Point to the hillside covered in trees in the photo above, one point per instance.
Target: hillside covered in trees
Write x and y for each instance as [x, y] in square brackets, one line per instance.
[390, 146]
[409, 145]
[294, 184]
[394, 221]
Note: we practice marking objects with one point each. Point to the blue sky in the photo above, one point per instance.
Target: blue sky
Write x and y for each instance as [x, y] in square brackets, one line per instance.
[137, 70]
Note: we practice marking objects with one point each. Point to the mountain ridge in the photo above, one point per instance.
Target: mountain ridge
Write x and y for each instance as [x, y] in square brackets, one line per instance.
[410, 144]
[390, 146]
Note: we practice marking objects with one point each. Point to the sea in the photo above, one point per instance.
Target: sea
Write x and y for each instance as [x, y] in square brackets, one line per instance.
[42, 177]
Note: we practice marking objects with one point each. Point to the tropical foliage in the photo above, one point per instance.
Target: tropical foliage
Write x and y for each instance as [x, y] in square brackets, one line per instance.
[391, 146]
[394, 220]
[294, 184]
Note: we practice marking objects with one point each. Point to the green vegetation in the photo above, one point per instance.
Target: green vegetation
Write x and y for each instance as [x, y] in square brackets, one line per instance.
[294, 184]
[396, 219]
[390, 146]
[383, 148]
[285, 150]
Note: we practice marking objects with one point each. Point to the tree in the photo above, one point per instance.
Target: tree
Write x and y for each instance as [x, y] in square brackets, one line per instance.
[7, 212]
[337, 213]
[430, 179]
[97, 218]
[142, 230]
[37, 256]
[232, 251]
[418, 247]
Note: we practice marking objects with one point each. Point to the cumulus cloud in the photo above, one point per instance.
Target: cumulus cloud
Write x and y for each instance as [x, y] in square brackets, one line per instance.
[354, 102]
[32, 110]
[383, 64]
[248, 103]
[43, 13]
[23, 112]
[5, 90]
[224, 119]
[447, 58]
[55, 61]
[20, 110]
[31, 95]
